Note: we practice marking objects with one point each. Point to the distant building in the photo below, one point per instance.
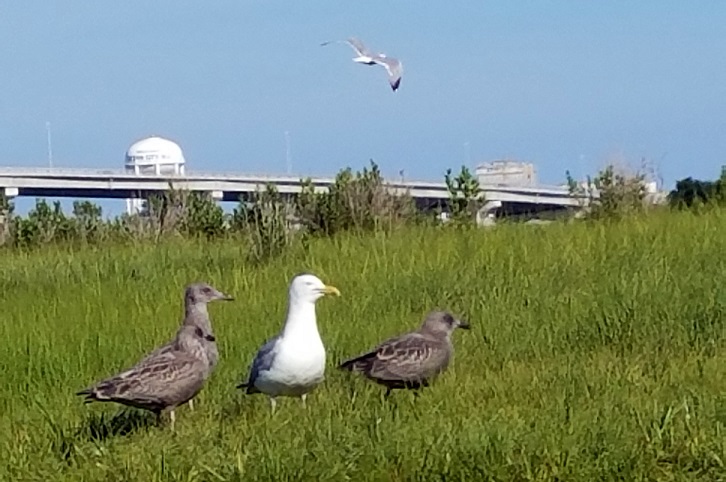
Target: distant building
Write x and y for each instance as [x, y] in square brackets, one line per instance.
[507, 173]
[152, 156]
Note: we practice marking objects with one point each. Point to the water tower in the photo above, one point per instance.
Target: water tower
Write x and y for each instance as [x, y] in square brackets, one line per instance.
[152, 156]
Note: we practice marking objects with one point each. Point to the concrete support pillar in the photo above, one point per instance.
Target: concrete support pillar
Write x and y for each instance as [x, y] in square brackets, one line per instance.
[216, 195]
[134, 206]
[9, 192]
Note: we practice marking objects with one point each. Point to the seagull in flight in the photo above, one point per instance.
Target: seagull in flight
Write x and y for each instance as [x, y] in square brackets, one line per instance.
[365, 56]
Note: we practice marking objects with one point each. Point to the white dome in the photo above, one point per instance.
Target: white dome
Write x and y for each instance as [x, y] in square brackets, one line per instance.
[155, 155]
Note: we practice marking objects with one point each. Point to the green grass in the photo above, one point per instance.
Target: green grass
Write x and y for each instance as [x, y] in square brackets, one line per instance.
[597, 353]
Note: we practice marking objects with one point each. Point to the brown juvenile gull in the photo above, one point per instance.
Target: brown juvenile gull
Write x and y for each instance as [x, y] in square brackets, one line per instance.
[174, 373]
[412, 359]
[197, 314]
[293, 362]
[394, 67]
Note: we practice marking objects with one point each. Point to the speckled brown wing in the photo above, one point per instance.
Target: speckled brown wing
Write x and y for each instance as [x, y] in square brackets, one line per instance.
[164, 381]
[412, 357]
[409, 358]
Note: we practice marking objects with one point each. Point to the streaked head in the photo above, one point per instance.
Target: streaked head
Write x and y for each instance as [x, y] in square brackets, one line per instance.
[442, 322]
[203, 293]
[308, 287]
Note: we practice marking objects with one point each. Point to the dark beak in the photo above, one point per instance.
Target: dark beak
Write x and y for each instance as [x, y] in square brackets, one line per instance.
[226, 297]
[464, 325]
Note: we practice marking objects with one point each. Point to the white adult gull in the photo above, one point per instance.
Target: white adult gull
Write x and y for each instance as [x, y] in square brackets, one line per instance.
[393, 66]
[293, 362]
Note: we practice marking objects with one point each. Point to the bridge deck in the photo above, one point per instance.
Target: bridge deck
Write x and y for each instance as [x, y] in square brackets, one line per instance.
[113, 183]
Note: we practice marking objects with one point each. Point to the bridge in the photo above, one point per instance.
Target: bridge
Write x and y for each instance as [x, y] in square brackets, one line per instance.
[119, 184]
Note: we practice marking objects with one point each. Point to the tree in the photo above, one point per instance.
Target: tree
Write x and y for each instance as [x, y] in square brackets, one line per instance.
[691, 192]
[465, 195]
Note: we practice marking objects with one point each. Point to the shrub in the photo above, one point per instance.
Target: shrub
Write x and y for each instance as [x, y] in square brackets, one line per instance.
[88, 222]
[360, 201]
[266, 220]
[693, 193]
[43, 225]
[202, 216]
[612, 193]
[465, 196]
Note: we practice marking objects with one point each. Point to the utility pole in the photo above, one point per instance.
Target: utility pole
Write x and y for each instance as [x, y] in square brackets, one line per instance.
[50, 144]
[288, 157]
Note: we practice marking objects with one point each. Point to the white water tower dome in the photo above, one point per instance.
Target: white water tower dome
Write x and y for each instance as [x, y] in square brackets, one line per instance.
[154, 155]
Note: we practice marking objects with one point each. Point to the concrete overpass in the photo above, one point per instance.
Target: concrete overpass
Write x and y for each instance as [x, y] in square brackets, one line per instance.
[118, 184]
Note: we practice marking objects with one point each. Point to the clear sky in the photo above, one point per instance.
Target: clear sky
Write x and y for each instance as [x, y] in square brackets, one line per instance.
[564, 84]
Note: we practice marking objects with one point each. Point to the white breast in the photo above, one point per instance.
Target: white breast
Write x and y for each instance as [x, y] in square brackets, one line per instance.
[298, 367]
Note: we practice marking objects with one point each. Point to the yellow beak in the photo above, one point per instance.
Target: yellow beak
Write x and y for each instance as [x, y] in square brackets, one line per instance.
[331, 290]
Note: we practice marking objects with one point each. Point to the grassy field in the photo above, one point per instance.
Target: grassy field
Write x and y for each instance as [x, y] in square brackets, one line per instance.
[596, 353]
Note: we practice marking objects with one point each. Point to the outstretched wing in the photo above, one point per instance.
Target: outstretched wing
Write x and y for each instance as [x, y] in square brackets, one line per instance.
[394, 67]
[358, 46]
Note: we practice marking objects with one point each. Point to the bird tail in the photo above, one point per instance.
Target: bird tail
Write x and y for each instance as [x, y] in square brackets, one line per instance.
[356, 364]
[250, 387]
[89, 395]
[102, 392]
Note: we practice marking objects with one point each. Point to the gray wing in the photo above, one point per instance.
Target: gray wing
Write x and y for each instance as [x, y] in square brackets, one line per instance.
[358, 46]
[394, 67]
[263, 361]
[410, 357]
[169, 379]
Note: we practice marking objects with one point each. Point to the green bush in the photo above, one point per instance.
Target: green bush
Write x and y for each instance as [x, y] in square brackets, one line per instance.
[693, 193]
[265, 218]
[611, 194]
[465, 196]
[359, 202]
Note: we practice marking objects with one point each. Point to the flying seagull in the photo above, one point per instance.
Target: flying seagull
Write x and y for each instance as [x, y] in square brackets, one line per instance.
[293, 362]
[174, 373]
[410, 360]
[364, 56]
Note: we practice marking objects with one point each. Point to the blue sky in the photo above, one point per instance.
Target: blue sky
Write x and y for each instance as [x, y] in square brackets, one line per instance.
[563, 84]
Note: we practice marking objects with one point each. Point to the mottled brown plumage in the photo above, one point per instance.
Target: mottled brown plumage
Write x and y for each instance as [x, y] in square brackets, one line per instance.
[412, 359]
[174, 373]
[166, 380]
